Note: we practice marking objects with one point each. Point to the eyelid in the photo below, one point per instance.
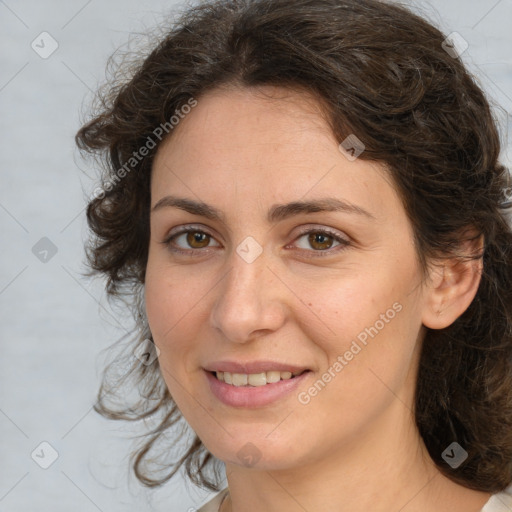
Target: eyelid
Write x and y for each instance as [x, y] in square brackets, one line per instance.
[343, 241]
[304, 230]
[181, 230]
[178, 230]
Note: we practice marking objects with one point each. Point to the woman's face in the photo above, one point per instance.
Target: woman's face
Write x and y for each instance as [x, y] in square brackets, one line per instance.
[265, 287]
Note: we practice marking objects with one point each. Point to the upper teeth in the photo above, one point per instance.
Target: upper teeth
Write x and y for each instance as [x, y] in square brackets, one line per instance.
[254, 379]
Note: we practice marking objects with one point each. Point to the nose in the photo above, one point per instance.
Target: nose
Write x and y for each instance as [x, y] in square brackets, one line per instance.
[250, 302]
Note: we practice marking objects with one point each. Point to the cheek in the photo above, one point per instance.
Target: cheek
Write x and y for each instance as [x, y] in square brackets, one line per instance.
[176, 299]
[171, 291]
[367, 367]
[159, 304]
[169, 301]
[357, 305]
[366, 326]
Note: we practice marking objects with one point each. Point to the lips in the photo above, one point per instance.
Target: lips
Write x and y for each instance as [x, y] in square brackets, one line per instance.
[259, 395]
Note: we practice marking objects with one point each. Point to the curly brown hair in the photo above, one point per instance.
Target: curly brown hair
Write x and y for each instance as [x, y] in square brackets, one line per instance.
[382, 73]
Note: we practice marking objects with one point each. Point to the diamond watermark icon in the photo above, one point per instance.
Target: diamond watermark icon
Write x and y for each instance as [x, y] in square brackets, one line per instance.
[249, 250]
[146, 352]
[454, 455]
[352, 147]
[455, 45]
[44, 250]
[44, 45]
[249, 454]
[44, 455]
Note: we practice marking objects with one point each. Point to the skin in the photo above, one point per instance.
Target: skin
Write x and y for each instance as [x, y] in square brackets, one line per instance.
[354, 447]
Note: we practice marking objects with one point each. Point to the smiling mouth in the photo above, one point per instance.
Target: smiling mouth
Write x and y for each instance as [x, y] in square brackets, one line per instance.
[255, 379]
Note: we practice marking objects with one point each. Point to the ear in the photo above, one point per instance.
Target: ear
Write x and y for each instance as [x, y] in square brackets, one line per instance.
[453, 285]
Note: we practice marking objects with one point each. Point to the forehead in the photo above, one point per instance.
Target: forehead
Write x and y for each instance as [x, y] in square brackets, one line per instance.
[262, 120]
[273, 144]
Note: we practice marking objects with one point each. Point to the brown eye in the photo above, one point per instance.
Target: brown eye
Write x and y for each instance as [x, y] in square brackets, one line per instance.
[197, 239]
[190, 241]
[320, 241]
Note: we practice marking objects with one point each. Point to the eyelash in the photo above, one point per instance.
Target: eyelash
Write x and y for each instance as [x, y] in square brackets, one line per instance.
[344, 243]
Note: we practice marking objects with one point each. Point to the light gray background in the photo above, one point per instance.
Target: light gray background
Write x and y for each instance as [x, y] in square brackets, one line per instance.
[53, 323]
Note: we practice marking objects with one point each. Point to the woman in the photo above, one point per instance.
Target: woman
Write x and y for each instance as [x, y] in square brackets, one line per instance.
[303, 204]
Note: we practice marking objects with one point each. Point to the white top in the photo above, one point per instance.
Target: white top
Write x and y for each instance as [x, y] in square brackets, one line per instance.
[501, 502]
[214, 504]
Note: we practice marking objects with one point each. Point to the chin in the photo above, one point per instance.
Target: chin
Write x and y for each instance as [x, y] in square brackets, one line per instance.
[254, 452]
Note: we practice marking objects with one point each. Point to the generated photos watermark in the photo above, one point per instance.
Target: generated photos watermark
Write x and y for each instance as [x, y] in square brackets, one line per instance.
[137, 156]
[305, 397]
[352, 147]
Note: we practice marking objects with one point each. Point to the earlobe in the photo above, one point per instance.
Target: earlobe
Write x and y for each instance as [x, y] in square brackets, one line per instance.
[453, 285]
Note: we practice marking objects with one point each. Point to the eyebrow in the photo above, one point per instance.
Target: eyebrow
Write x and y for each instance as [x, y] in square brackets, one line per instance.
[277, 212]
